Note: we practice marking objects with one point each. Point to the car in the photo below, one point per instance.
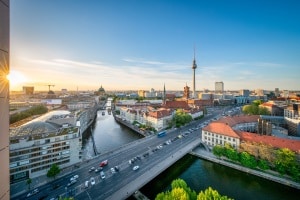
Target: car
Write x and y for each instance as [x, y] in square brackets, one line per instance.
[135, 168]
[103, 163]
[98, 169]
[112, 170]
[117, 168]
[92, 180]
[72, 182]
[74, 177]
[91, 169]
[102, 175]
[86, 184]
[33, 192]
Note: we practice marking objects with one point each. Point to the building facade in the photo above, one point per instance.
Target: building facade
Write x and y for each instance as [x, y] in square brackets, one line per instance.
[4, 99]
[37, 145]
[219, 87]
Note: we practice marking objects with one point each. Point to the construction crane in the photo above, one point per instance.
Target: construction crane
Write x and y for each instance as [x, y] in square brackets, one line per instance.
[50, 86]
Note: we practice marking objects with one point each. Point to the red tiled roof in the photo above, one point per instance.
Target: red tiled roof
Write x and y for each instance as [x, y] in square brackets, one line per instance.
[293, 145]
[177, 104]
[159, 113]
[231, 121]
[221, 128]
[266, 104]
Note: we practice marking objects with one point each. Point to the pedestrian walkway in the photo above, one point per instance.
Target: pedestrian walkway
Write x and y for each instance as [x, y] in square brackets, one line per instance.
[211, 157]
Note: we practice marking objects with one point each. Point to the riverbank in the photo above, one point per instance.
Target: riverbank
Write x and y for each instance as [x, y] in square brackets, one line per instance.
[212, 158]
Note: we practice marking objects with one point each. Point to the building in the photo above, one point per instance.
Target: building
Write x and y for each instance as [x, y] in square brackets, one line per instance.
[219, 87]
[217, 133]
[186, 92]
[4, 99]
[244, 93]
[277, 92]
[292, 111]
[238, 130]
[28, 90]
[54, 138]
[141, 93]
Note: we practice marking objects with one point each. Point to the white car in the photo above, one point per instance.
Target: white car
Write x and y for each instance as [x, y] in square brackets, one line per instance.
[112, 170]
[75, 177]
[35, 191]
[135, 168]
[93, 182]
[102, 175]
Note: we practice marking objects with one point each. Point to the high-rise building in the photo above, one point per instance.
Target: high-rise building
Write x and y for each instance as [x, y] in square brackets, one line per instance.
[4, 99]
[277, 94]
[219, 87]
[245, 92]
[194, 76]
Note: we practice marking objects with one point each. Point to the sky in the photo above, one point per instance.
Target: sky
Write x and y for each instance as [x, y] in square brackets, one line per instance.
[144, 44]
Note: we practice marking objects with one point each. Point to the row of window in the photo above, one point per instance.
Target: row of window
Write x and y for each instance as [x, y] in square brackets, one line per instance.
[218, 136]
[26, 151]
[22, 168]
[48, 166]
[220, 143]
[33, 155]
[33, 161]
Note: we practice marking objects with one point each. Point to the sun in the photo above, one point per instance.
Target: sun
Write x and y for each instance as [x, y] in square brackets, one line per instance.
[15, 78]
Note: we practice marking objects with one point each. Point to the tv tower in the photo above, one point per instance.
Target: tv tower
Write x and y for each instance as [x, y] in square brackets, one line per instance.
[194, 76]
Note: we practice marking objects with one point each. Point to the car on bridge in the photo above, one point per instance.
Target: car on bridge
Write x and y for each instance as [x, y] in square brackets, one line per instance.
[93, 182]
[136, 168]
[103, 163]
[102, 175]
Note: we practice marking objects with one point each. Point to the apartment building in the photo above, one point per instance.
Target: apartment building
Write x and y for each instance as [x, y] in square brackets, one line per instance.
[36, 145]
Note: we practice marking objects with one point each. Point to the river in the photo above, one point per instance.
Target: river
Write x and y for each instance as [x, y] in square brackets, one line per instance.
[199, 174]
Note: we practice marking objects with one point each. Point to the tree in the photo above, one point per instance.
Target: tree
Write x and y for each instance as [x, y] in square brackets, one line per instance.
[211, 194]
[231, 153]
[285, 160]
[181, 118]
[53, 171]
[247, 160]
[218, 150]
[181, 191]
[263, 164]
[28, 182]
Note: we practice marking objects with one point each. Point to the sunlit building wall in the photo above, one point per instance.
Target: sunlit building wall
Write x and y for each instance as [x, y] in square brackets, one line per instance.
[4, 99]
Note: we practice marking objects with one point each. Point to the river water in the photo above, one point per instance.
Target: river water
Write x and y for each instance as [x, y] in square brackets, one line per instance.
[198, 174]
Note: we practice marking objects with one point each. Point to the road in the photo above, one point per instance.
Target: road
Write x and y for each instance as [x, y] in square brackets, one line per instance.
[149, 152]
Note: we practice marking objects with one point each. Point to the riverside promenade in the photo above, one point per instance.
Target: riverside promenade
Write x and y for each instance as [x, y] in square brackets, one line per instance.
[211, 157]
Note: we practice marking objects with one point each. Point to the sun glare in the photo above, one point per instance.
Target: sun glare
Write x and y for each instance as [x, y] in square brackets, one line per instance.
[16, 78]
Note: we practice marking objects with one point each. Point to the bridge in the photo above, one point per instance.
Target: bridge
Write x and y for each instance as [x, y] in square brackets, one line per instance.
[153, 155]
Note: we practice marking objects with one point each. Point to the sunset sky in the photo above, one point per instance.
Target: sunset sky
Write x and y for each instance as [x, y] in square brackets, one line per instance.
[144, 44]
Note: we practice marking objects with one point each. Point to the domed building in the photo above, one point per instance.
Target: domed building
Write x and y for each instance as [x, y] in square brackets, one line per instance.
[100, 91]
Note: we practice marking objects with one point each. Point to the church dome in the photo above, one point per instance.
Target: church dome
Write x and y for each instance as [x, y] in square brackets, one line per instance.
[101, 89]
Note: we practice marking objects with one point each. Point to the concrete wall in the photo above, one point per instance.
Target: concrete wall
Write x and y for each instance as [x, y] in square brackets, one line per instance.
[4, 99]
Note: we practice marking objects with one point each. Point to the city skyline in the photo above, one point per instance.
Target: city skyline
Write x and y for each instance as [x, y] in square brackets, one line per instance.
[144, 44]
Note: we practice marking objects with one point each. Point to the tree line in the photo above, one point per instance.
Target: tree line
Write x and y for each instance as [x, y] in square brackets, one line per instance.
[284, 161]
[35, 110]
